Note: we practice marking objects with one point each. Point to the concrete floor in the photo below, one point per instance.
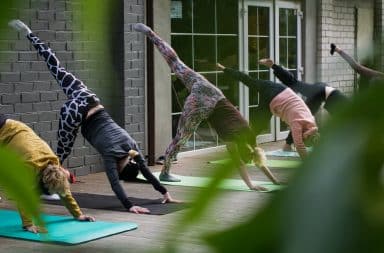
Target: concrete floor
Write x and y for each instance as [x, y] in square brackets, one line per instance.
[156, 231]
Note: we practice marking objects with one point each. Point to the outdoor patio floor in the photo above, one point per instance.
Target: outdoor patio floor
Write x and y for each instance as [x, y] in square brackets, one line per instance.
[155, 231]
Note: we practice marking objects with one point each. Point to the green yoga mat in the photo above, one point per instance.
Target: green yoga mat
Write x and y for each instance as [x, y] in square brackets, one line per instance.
[61, 229]
[227, 184]
[286, 164]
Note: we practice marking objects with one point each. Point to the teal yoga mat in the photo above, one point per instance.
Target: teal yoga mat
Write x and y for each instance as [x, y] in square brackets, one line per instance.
[282, 153]
[61, 229]
[287, 164]
[227, 184]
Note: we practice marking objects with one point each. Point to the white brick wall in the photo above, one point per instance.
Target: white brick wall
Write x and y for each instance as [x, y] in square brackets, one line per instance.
[336, 25]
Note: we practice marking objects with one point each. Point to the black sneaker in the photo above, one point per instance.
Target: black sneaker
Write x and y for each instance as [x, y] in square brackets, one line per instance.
[333, 48]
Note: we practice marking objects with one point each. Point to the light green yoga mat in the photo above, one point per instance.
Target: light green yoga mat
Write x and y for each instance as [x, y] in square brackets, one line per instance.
[61, 229]
[227, 184]
[286, 164]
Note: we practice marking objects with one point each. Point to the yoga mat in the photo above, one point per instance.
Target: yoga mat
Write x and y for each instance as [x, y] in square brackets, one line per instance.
[227, 184]
[286, 164]
[61, 229]
[112, 203]
[282, 153]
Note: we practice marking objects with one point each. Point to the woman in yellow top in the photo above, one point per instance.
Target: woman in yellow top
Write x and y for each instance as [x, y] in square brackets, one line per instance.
[39, 156]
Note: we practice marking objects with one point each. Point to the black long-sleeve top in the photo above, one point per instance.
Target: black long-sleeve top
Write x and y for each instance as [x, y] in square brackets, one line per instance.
[114, 143]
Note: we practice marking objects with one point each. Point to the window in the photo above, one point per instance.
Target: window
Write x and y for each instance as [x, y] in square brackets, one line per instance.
[203, 33]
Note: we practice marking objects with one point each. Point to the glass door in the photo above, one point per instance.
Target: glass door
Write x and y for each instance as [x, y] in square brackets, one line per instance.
[257, 43]
[270, 29]
[287, 47]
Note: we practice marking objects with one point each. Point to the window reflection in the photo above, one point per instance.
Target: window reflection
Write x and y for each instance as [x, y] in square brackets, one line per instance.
[206, 33]
[204, 53]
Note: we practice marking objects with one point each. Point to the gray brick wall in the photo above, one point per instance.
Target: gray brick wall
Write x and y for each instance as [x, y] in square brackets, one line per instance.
[134, 80]
[29, 93]
[336, 25]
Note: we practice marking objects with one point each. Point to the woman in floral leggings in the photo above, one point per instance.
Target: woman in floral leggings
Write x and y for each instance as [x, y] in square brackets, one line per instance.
[207, 102]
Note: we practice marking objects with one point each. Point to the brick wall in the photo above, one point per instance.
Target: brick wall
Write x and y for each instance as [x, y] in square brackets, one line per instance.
[29, 93]
[134, 70]
[336, 25]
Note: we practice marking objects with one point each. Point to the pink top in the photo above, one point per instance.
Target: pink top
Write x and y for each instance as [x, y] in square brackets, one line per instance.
[293, 111]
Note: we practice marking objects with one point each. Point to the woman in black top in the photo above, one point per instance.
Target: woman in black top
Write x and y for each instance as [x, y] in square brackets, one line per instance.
[121, 155]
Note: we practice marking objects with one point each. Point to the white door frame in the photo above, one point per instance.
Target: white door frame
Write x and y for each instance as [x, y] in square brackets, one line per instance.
[244, 66]
[280, 135]
[274, 7]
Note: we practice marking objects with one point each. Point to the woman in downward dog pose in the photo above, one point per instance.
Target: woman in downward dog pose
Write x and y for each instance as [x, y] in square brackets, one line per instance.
[313, 94]
[207, 102]
[52, 178]
[278, 99]
[120, 152]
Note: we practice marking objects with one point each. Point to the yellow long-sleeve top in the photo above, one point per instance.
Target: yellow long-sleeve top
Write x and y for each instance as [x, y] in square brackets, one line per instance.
[37, 154]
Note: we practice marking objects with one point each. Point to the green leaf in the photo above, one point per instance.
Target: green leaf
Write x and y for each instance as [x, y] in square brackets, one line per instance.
[335, 202]
[19, 182]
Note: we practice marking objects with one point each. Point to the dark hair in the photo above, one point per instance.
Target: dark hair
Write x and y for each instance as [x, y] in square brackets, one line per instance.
[129, 172]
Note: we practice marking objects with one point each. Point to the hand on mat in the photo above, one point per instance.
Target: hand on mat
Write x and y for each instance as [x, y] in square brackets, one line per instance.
[168, 199]
[20, 26]
[138, 209]
[35, 229]
[86, 218]
[258, 188]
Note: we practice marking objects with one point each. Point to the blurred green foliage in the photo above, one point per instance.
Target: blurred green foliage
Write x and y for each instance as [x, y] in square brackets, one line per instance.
[335, 203]
[16, 179]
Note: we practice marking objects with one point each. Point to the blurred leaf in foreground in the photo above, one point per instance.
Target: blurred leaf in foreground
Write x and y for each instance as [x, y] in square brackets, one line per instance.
[19, 182]
[336, 201]
[16, 180]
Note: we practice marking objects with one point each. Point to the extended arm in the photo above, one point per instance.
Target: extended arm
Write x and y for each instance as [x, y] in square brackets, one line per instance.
[298, 140]
[235, 155]
[72, 206]
[260, 161]
[362, 70]
[113, 177]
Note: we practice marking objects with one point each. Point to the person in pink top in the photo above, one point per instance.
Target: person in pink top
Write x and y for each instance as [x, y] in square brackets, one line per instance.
[281, 101]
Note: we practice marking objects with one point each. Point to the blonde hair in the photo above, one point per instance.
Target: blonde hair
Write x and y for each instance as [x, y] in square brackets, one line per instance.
[55, 180]
[258, 156]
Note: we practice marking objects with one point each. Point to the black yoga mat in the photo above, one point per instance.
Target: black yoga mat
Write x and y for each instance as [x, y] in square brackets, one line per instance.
[112, 203]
